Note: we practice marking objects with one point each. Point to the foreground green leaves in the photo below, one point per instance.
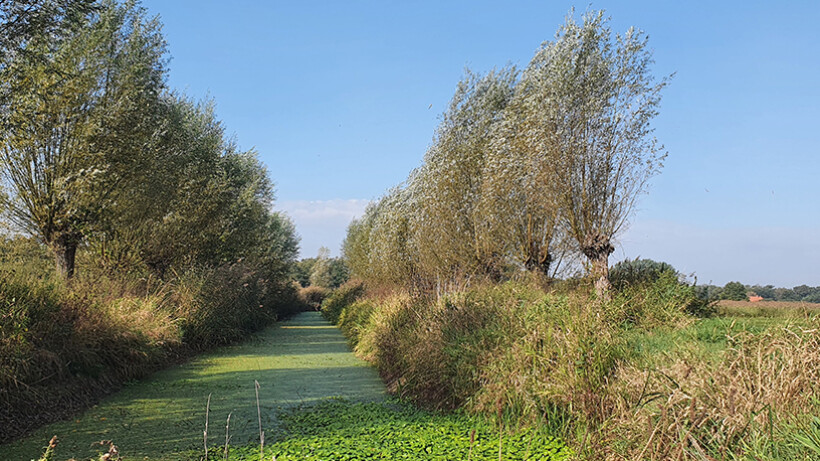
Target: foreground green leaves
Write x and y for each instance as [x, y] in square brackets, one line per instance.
[339, 430]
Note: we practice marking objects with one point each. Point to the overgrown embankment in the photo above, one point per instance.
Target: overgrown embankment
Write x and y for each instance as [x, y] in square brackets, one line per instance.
[62, 347]
[298, 361]
[643, 376]
[134, 230]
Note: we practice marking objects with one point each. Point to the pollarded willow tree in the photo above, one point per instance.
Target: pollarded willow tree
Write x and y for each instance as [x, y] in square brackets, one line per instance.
[521, 168]
[594, 98]
[358, 243]
[392, 257]
[448, 224]
[517, 205]
[205, 202]
[79, 121]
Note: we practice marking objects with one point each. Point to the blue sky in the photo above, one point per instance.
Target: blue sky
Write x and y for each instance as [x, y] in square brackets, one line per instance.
[336, 98]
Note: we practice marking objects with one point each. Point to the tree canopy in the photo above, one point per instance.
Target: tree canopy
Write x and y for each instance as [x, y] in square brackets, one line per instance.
[98, 153]
[527, 170]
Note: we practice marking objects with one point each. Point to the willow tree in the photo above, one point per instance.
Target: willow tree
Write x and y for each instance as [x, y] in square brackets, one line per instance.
[518, 205]
[78, 123]
[357, 245]
[597, 98]
[448, 221]
[23, 20]
[379, 246]
[204, 203]
[320, 272]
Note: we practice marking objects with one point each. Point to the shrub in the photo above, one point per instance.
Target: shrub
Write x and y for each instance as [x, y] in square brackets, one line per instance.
[662, 301]
[313, 296]
[217, 306]
[342, 297]
[637, 271]
[355, 319]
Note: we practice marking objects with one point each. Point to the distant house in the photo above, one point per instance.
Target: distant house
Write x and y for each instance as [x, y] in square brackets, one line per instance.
[755, 299]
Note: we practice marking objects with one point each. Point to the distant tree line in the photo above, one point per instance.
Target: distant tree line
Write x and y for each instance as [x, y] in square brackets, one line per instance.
[321, 271]
[98, 153]
[738, 292]
[527, 170]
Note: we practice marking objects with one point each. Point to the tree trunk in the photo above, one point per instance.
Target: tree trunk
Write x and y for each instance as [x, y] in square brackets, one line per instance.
[597, 248]
[600, 270]
[64, 252]
[538, 259]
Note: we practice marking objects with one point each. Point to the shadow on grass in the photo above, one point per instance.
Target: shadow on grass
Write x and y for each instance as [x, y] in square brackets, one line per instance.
[300, 361]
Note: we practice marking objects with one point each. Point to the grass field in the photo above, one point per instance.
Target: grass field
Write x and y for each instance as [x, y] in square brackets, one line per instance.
[773, 309]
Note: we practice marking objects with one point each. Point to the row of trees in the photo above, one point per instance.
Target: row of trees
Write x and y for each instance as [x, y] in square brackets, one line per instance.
[527, 168]
[321, 271]
[738, 291]
[97, 152]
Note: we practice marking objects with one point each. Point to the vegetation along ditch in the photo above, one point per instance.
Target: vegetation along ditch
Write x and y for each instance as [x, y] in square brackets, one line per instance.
[152, 306]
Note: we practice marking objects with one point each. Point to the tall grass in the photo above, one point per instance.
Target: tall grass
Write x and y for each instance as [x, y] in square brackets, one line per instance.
[62, 346]
[717, 409]
[617, 379]
[342, 297]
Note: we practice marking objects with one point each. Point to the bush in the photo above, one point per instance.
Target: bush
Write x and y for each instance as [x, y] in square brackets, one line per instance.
[355, 319]
[218, 306]
[637, 271]
[342, 297]
[663, 301]
[313, 296]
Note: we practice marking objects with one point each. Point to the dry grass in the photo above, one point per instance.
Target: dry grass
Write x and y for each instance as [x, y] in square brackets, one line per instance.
[690, 409]
[64, 346]
[619, 380]
[783, 305]
[768, 309]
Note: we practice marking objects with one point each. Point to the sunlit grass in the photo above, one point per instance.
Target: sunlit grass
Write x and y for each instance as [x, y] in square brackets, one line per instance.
[159, 418]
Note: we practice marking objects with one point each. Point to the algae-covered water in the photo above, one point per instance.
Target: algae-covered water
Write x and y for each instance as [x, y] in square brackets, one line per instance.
[299, 361]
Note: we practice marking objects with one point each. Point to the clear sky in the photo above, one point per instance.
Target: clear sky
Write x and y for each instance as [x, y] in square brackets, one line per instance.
[336, 98]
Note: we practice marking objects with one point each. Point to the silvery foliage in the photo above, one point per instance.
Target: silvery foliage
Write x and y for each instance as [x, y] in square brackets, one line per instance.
[598, 98]
[78, 119]
[520, 168]
[448, 223]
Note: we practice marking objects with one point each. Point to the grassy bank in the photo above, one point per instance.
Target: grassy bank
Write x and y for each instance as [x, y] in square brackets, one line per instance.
[297, 362]
[64, 345]
[651, 374]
